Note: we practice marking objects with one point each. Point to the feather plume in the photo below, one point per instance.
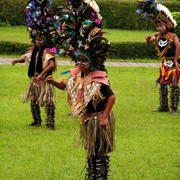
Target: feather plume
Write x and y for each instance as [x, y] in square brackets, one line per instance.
[94, 6]
[165, 11]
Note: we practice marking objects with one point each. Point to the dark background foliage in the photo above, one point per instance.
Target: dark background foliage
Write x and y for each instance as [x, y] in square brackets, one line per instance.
[116, 15]
[119, 15]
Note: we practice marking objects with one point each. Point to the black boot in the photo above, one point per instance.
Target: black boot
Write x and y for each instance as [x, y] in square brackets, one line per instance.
[91, 168]
[163, 98]
[50, 112]
[36, 114]
[174, 99]
[102, 167]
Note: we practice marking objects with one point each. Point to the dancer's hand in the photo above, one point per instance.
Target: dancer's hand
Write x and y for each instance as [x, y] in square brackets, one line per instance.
[148, 39]
[104, 122]
[13, 62]
[49, 79]
[39, 77]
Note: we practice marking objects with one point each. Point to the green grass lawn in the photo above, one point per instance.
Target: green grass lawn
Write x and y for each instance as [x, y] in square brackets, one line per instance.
[21, 35]
[164, 1]
[147, 143]
[15, 34]
[115, 35]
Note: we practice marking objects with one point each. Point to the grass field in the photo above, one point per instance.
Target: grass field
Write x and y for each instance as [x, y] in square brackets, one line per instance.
[21, 35]
[164, 1]
[147, 143]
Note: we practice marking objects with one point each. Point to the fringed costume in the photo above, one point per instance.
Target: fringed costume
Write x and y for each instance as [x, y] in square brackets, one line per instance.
[79, 32]
[87, 98]
[41, 93]
[168, 51]
[40, 90]
[41, 60]
[169, 75]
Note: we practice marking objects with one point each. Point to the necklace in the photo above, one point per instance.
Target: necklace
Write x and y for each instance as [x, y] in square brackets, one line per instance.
[162, 43]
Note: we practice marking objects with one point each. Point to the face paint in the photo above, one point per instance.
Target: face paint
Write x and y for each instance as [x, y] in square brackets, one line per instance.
[40, 41]
[84, 63]
[82, 60]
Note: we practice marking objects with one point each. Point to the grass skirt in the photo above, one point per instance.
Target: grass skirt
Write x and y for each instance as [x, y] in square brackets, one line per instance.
[96, 140]
[42, 93]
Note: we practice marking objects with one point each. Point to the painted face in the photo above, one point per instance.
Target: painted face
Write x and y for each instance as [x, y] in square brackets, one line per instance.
[83, 63]
[39, 41]
[161, 27]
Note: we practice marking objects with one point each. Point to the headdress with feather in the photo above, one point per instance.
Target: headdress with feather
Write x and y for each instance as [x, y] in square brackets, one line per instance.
[39, 19]
[157, 12]
[79, 30]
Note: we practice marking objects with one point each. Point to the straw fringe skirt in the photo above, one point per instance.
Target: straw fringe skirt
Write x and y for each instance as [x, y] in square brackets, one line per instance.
[97, 140]
[44, 93]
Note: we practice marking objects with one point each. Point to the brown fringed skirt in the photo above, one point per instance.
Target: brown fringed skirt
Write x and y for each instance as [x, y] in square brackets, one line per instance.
[96, 140]
[44, 93]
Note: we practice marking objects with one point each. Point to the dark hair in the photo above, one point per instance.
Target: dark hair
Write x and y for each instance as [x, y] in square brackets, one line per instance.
[171, 30]
[32, 65]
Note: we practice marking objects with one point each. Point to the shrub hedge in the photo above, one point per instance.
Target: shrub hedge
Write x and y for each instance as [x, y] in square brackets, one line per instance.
[121, 15]
[132, 50]
[13, 48]
[176, 16]
[117, 15]
[127, 50]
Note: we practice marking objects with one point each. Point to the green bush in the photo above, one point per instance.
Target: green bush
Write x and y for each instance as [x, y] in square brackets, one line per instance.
[116, 14]
[127, 50]
[122, 15]
[176, 16]
[12, 12]
[132, 50]
[13, 48]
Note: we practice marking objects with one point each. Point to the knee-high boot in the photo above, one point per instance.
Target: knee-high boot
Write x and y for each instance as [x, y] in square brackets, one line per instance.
[36, 114]
[91, 168]
[163, 98]
[102, 167]
[174, 99]
[50, 113]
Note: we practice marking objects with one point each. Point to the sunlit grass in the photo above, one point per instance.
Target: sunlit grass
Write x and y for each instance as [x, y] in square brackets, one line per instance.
[164, 1]
[15, 34]
[116, 35]
[21, 35]
[147, 143]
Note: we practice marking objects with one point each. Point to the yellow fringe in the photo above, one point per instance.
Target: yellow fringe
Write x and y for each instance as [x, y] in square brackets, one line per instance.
[98, 141]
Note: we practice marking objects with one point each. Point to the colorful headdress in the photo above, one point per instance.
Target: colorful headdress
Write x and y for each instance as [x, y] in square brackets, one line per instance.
[39, 19]
[78, 27]
[156, 12]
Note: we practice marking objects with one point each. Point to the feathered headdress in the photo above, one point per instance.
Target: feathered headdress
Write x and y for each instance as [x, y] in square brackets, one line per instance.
[79, 30]
[157, 12]
[39, 19]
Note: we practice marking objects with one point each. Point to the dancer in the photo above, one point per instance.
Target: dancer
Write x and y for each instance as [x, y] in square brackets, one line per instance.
[41, 64]
[89, 93]
[41, 61]
[90, 96]
[167, 46]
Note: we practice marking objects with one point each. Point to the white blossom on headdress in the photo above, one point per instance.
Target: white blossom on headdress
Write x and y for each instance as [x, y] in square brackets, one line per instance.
[155, 11]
